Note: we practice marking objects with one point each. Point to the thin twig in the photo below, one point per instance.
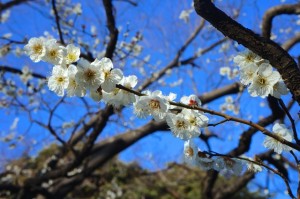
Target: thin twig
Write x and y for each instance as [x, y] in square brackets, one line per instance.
[291, 119]
[57, 22]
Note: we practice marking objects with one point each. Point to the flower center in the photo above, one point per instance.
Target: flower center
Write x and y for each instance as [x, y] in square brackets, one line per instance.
[53, 53]
[38, 48]
[262, 81]
[71, 57]
[190, 151]
[180, 124]
[193, 121]
[250, 57]
[60, 79]
[154, 104]
[89, 74]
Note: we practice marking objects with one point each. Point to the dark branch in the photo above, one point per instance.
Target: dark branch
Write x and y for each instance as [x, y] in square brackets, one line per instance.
[113, 31]
[264, 47]
[57, 22]
[275, 11]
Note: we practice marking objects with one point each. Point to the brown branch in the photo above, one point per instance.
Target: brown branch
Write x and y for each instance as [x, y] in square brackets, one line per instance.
[8, 5]
[113, 31]
[226, 90]
[175, 62]
[232, 188]
[275, 11]
[291, 120]
[57, 22]
[18, 71]
[264, 47]
[291, 43]
[105, 150]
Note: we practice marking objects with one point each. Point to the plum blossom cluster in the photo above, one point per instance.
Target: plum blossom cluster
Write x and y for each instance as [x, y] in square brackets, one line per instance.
[281, 131]
[259, 76]
[225, 165]
[78, 76]
[100, 79]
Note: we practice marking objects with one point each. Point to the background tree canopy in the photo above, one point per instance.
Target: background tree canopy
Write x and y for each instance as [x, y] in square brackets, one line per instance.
[227, 53]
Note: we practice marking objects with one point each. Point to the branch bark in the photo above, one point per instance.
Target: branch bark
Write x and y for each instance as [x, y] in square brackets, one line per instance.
[264, 47]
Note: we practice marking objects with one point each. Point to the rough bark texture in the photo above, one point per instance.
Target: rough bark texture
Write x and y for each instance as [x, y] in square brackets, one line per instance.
[264, 47]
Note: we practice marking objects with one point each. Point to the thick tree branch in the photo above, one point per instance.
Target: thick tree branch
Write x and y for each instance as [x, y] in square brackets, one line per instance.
[275, 11]
[8, 5]
[264, 47]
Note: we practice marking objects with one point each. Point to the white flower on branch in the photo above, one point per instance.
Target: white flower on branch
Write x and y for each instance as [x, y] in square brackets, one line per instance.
[59, 80]
[192, 100]
[154, 103]
[54, 52]
[281, 131]
[111, 76]
[89, 74]
[279, 89]
[190, 152]
[247, 58]
[71, 54]
[185, 15]
[263, 81]
[180, 126]
[35, 49]
[74, 88]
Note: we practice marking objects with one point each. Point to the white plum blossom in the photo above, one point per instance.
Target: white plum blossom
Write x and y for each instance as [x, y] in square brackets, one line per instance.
[89, 74]
[247, 74]
[279, 89]
[186, 125]
[225, 71]
[74, 89]
[263, 81]
[190, 152]
[59, 80]
[71, 54]
[281, 131]
[26, 75]
[185, 15]
[195, 119]
[192, 100]
[124, 97]
[180, 126]
[154, 104]
[229, 166]
[111, 76]
[35, 49]
[247, 58]
[54, 52]
[111, 79]
[112, 97]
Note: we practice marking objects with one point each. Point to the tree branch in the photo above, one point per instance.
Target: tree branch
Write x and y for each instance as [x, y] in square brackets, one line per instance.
[275, 11]
[264, 47]
[113, 31]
